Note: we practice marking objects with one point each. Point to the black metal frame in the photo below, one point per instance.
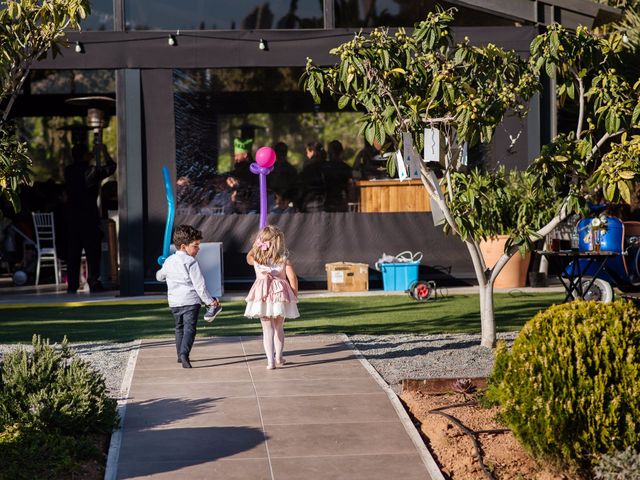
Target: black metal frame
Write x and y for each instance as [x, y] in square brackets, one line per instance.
[573, 282]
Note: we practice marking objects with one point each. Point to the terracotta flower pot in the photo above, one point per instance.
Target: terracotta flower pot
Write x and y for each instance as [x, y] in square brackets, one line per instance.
[514, 273]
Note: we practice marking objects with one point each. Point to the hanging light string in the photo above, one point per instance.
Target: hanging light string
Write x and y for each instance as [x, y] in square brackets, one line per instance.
[172, 38]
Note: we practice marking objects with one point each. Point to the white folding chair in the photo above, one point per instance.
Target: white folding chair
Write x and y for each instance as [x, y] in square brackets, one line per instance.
[46, 244]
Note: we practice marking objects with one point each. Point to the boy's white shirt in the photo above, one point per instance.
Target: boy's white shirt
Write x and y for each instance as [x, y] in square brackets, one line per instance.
[185, 283]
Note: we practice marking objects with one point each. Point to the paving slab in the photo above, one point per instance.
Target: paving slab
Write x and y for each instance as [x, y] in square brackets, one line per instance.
[324, 415]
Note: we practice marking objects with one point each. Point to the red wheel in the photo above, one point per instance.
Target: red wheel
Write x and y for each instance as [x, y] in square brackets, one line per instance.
[421, 291]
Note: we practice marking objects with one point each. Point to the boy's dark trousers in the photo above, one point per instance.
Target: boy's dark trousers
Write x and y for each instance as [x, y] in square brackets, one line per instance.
[186, 319]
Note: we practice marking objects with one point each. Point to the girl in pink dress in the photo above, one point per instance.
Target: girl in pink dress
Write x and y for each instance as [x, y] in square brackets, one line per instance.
[274, 294]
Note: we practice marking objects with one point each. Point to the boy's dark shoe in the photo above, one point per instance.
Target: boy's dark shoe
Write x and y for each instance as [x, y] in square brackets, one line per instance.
[185, 361]
[212, 312]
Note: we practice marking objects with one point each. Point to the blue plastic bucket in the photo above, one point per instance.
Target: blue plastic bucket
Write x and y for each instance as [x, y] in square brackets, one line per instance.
[399, 276]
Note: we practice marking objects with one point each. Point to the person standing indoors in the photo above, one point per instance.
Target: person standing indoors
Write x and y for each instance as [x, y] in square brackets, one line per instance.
[82, 183]
[312, 186]
[274, 294]
[337, 175]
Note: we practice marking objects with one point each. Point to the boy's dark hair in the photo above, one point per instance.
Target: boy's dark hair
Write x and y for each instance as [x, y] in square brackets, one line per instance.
[185, 234]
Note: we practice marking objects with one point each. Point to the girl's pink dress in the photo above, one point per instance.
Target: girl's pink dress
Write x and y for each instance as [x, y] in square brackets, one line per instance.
[271, 295]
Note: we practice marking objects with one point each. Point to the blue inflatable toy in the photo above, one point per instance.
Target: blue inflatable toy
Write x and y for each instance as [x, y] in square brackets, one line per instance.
[171, 211]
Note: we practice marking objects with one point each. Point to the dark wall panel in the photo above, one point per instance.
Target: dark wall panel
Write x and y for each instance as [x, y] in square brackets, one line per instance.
[159, 149]
[315, 239]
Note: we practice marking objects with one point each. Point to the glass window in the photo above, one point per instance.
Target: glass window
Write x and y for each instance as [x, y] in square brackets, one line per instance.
[222, 14]
[214, 149]
[101, 18]
[72, 81]
[405, 13]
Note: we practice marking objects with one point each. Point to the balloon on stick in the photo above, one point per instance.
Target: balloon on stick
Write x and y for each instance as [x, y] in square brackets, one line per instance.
[171, 203]
[265, 158]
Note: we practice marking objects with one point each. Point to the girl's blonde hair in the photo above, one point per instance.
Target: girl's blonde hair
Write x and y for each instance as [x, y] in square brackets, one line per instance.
[269, 247]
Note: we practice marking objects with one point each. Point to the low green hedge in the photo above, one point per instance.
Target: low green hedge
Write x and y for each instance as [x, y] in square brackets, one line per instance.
[52, 404]
[570, 387]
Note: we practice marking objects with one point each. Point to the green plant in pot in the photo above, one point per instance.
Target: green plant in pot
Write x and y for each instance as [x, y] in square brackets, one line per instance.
[502, 209]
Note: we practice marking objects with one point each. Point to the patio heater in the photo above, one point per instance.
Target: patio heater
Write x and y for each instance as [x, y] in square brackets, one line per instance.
[97, 117]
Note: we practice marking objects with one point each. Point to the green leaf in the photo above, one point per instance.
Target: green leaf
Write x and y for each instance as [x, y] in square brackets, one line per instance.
[625, 193]
[571, 91]
[344, 100]
[369, 133]
[636, 114]
[550, 69]
[610, 191]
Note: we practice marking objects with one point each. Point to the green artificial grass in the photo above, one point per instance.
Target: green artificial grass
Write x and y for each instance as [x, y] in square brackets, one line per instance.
[353, 315]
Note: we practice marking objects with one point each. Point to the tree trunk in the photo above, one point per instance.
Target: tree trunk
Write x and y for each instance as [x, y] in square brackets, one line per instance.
[487, 318]
[485, 289]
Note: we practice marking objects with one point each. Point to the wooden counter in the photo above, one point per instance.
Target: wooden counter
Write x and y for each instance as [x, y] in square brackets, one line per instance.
[393, 196]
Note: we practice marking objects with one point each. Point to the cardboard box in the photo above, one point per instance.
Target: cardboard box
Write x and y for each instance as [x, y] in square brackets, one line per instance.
[347, 277]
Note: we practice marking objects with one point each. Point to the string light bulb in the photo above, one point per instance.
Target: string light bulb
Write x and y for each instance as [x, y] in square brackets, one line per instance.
[262, 45]
[79, 48]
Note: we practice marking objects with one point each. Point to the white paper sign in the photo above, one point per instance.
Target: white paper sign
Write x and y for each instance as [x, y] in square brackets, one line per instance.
[464, 159]
[401, 167]
[337, 276]
[436, 211]
[411, 156]
[432, 145]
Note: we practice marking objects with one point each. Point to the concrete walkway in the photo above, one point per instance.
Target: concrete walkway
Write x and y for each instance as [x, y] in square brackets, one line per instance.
[322, 416]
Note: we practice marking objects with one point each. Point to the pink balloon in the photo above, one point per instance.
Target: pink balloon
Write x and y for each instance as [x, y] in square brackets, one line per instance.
[265, 157]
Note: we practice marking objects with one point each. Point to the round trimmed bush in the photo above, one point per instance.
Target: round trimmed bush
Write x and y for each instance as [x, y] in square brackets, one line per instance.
[570, 387]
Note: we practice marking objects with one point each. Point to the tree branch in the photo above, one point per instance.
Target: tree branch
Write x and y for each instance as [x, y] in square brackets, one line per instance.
[479, 266]
[604, 138]
[14, 96]
[438, 119]
[581, 102]
[554, 222]
[436, 194]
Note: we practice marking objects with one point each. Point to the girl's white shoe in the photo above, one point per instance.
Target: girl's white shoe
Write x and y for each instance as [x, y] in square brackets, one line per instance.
[281, 362]
[270, 367]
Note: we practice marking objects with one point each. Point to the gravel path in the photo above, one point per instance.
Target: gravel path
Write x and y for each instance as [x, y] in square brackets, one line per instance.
[398, 357]
[395, 357]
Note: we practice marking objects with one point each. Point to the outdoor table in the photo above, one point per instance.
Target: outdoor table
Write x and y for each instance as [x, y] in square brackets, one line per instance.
[573, 281]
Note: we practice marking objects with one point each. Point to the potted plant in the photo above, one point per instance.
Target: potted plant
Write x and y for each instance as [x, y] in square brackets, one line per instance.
[495, 208]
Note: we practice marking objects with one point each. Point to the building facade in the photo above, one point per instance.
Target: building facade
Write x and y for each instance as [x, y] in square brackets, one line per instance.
[179, 67]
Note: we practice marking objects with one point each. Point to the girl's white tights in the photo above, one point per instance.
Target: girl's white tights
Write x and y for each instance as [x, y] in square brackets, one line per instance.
[273, 338]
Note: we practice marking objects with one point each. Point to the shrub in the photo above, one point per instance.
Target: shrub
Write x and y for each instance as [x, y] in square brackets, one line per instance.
[52, 389]
[623, 465]
[27, 453]
[570, 387]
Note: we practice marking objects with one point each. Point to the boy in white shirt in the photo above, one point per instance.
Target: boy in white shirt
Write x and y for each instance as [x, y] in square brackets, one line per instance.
[186, 289]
